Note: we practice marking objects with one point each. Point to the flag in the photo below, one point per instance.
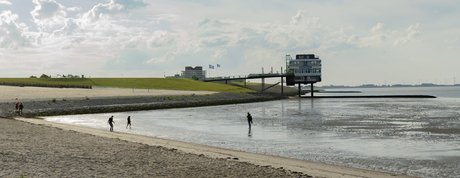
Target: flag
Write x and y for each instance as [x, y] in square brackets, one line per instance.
[211, 66]
[218, 65]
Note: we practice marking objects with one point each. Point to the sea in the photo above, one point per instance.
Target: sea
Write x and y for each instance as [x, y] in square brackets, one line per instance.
[413, 136]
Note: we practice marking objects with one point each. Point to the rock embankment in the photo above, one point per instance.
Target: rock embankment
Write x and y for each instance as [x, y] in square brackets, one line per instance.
[118, 104]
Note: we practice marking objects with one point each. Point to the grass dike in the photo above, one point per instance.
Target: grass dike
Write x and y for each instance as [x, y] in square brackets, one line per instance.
[139, 83]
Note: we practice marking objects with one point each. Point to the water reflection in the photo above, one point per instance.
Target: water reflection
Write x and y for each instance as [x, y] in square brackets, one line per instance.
[312, 102]
[282, 108]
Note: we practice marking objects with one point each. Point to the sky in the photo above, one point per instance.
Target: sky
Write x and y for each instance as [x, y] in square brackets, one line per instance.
[358, 41]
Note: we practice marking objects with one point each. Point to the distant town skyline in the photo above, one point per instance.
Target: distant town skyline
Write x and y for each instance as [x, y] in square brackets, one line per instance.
[358, 41]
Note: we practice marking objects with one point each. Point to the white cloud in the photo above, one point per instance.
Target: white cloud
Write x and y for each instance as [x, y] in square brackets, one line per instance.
[48, 14]
[412, 33]
[378, 27]
[72, 43]
[70, 28]
[169, 56]
[73, 9]
[219, 53]
[12, 34]
[161, 38]
[102, 11]
[116, 8]
[165, 17]
[5, 2]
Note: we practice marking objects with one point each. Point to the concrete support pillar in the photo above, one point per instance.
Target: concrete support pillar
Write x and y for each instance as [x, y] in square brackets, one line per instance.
[263, 84]
[312, 90]
[299, 90]
[282, 92]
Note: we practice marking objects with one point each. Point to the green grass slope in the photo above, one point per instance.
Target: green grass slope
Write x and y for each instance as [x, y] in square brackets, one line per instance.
[152, 83]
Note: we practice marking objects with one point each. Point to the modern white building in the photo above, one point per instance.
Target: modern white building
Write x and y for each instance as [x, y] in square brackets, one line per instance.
[305, 67]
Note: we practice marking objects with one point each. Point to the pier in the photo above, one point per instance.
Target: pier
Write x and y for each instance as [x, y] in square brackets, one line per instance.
[303, 69]
[284, 79]
[252, 76]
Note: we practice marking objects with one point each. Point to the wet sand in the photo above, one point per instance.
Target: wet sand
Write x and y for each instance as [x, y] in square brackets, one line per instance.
[39, 148]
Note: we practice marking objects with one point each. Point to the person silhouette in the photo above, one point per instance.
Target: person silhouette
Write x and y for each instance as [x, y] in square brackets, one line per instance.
[20, 108]
[129, 122]
[249, 120]
[111, 122]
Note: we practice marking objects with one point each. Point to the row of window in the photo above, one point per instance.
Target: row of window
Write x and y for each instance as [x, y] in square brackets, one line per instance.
[304, 70]
[305, 63]
[308, 78]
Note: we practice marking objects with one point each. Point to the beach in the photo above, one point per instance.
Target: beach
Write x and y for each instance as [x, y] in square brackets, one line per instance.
[39, 148]
[19, 94]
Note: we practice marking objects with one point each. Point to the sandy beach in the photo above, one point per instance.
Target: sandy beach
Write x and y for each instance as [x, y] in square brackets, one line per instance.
[38, 148]
[19, 94]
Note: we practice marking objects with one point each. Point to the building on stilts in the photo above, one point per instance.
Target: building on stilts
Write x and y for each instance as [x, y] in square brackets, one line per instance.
[304, 69]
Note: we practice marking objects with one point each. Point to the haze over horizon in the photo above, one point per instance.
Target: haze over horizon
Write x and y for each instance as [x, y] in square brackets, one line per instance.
[359, 42]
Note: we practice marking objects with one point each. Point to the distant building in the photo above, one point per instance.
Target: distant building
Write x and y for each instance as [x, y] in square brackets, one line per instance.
[305, 67]
[427, 84]
[194, 73]
[174, 76]
[368, 85]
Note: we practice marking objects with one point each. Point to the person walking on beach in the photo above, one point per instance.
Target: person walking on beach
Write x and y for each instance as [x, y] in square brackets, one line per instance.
[17, 107]
[129, 122]
[111, 122]
[20, 108]
[249, 120]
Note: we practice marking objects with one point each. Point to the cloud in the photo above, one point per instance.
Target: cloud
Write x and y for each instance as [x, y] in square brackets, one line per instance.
[131, 4]
[161, 38]
[72, 43]
[48, 14]
[5, 2]
[115, 8]
[412, 33]
[378, 27]
[212, 42]
[73, 9]
[169, 56]
[70, 28]
[219, 53]
[12, 34]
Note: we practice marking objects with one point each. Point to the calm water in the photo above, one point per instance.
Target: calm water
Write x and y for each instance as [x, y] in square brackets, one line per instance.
[418, 137]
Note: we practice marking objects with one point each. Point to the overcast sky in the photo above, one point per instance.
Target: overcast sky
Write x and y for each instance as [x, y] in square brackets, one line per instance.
[359, 42]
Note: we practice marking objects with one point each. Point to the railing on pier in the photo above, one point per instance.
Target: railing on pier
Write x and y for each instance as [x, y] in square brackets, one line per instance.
[250, 76]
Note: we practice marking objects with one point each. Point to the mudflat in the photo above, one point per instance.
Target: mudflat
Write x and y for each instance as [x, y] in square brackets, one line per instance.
[38, 148]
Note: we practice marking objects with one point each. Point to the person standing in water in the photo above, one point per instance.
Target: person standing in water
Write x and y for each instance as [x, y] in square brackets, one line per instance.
[111, 122]
[249, 120]
[129, 122]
